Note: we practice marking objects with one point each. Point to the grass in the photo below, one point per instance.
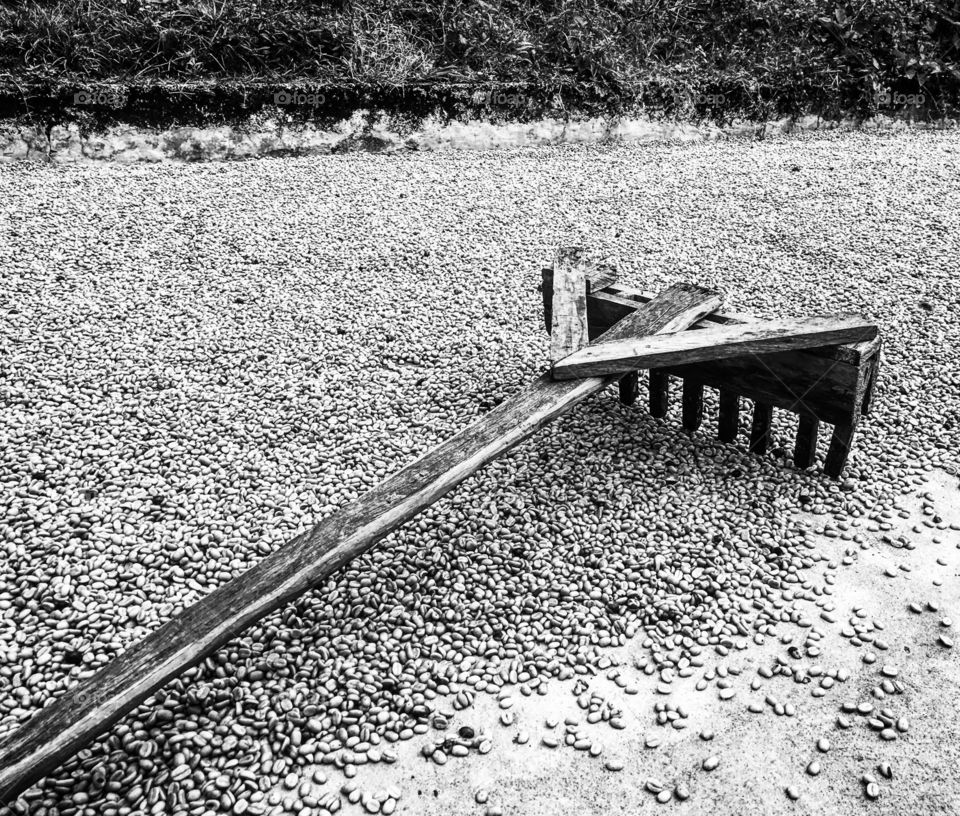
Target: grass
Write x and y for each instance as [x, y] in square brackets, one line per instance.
[754, 57]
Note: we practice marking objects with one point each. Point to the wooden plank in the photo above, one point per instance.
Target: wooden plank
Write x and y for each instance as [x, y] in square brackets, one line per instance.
[568, 329]
[839, 450]
[659, 393]
[805, 447]
[692, 405]
[738, 340]
[598, 278]
[608, 306]
[629, 388]
[698, 301]
[729, 415]
[604, 308]
[59, 730]
[819, 382]
[760, 429]
[601, 276]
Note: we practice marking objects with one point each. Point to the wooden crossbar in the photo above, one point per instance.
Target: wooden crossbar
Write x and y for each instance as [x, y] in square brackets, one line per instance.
[735, 340]
[568, 331]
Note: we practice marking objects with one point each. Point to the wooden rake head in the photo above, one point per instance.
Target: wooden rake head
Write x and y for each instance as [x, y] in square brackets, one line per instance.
[823, 368]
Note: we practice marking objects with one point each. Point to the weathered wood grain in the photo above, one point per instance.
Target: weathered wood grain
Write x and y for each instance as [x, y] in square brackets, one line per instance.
[609, 305]
[659, 387]
[760, 429]
[568, 330]
[871, 380]
[805, 445]
[691, 405]
[840, 443]
[799, 381]
[729, 415]
[696, 300]
[826, 383]
[598, 278]
[59, 730]
[736, 340]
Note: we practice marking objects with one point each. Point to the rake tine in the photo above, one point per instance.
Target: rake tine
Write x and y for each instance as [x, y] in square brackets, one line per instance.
[692, 405]
[659, 393]
[760, 431]
[840, 444]
[629, 388]
[805, 449]
[729, 415]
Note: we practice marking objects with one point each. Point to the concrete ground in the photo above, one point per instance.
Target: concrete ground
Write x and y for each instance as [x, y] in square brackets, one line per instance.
[760, 754]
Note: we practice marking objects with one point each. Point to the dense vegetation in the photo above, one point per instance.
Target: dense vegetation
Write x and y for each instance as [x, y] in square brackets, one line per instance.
[762, 57]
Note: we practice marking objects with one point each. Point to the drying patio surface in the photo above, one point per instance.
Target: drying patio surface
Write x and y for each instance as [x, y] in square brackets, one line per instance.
[200, 361]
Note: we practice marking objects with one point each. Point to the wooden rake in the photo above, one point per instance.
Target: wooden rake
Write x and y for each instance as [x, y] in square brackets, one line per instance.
[822, 368]
[584, 312]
